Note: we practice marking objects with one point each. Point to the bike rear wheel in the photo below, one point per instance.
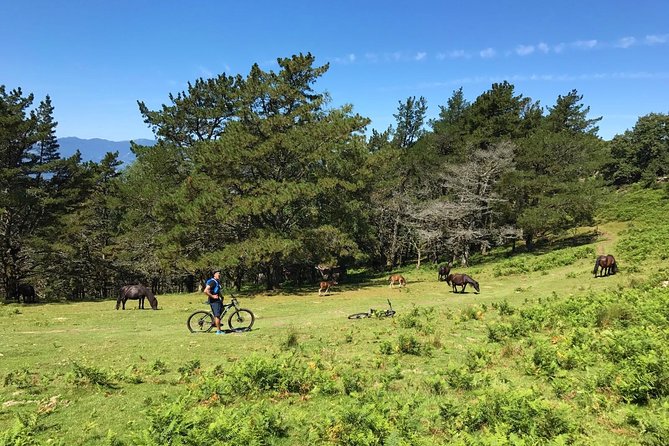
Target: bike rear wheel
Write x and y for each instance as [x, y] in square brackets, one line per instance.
[241, 320]
[200, 322]
[359, 316]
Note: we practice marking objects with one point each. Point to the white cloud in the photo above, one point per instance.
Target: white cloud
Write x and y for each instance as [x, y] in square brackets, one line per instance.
[655, 39]
[543, 48]
[348, 59]
[487, 53]
[548, 77]
[524, 50]
[585, 44]
[420, 56]
[372, 57]
[205, 72]
[396, 56]
[625, 42]
[560, 47]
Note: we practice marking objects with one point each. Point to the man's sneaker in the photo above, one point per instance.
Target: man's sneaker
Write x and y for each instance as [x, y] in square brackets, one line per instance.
[220, 332]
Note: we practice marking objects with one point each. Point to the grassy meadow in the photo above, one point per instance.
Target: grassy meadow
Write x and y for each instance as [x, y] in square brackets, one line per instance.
[545, 354]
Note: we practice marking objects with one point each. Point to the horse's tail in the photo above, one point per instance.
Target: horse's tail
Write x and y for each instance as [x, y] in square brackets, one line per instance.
[474, 283]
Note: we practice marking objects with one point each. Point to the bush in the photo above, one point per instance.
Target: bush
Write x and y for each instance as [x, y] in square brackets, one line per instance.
[409, 345]
[420, 319]
[354, 424]
[521, 412]
[90, 375]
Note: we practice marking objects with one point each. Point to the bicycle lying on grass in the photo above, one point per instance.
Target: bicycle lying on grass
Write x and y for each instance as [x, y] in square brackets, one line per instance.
[240, 320]
[378, 313]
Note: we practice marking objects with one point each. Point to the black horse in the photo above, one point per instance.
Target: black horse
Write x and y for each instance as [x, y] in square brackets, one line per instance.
[136, 292]
[443, 272]
[461, 280]
[25, 291]
[607, 264]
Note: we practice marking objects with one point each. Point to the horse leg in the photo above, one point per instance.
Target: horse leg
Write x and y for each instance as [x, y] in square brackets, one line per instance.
[464, 285]
[140, 304]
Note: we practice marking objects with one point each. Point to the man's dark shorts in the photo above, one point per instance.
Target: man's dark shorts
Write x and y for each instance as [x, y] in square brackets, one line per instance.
[216, 306]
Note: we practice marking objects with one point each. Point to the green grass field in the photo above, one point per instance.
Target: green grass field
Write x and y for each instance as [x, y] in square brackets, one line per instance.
[535, 358]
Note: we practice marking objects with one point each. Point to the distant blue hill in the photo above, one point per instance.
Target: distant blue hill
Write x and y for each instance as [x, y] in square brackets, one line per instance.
[96, 148]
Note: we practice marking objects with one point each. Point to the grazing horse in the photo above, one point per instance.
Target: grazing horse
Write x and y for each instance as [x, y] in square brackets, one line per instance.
[397, 279]
[443, 272]
[461, 280]
[607, 264]
[325, 287]
[136, 292]
[27, 292]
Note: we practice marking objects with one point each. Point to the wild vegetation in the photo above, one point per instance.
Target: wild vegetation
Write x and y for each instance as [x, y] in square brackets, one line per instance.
[256, 176]
[541, 356]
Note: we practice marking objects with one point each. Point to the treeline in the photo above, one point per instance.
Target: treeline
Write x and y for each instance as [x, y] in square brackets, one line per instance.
[259, 177]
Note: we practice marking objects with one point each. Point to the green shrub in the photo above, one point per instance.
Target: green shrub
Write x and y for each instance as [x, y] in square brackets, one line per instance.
[386, 348]
[22, 433]
[477, 358]
[291, 341]
[179, 424]
[158, 367]
[419, 318]
[503, 308]
[23, 379]
[472, 312]
[616, 313]
[189, 369]
[91, 375]
[521, 412]
[409, 345]
[354, 424]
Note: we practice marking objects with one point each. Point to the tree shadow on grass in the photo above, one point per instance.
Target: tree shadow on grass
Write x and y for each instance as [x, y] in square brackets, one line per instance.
[541, 247]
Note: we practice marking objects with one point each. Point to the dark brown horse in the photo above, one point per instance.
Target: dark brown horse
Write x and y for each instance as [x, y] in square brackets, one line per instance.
[136, 292]
[25, 291]
[443, 272]
[606, 265]
[461, 280]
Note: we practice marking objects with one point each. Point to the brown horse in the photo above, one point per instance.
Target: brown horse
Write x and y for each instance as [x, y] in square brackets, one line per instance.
[607, 264]
[443, 272]
[397, 279]
[325, 287]
[461, 280]
[136, 292]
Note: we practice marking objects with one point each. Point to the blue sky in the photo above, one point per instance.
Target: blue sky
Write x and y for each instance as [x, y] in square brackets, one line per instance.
[97, 58]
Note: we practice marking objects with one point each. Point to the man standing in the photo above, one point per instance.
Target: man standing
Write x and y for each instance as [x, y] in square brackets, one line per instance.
[213, 290]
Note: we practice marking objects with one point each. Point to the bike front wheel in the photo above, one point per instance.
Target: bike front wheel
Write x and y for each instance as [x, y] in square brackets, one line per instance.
[359, 316]
[200, 322]
[387, 313]
[241, 320]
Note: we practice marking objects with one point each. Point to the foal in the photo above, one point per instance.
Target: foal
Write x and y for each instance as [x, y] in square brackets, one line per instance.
[325, 287]
[397, 279]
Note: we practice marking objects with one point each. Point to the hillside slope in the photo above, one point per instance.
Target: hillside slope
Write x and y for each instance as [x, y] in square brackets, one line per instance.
[545, 354]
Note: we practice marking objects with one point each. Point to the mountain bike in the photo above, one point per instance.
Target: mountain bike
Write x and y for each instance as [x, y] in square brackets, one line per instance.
[240, 319]
[378, 313]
